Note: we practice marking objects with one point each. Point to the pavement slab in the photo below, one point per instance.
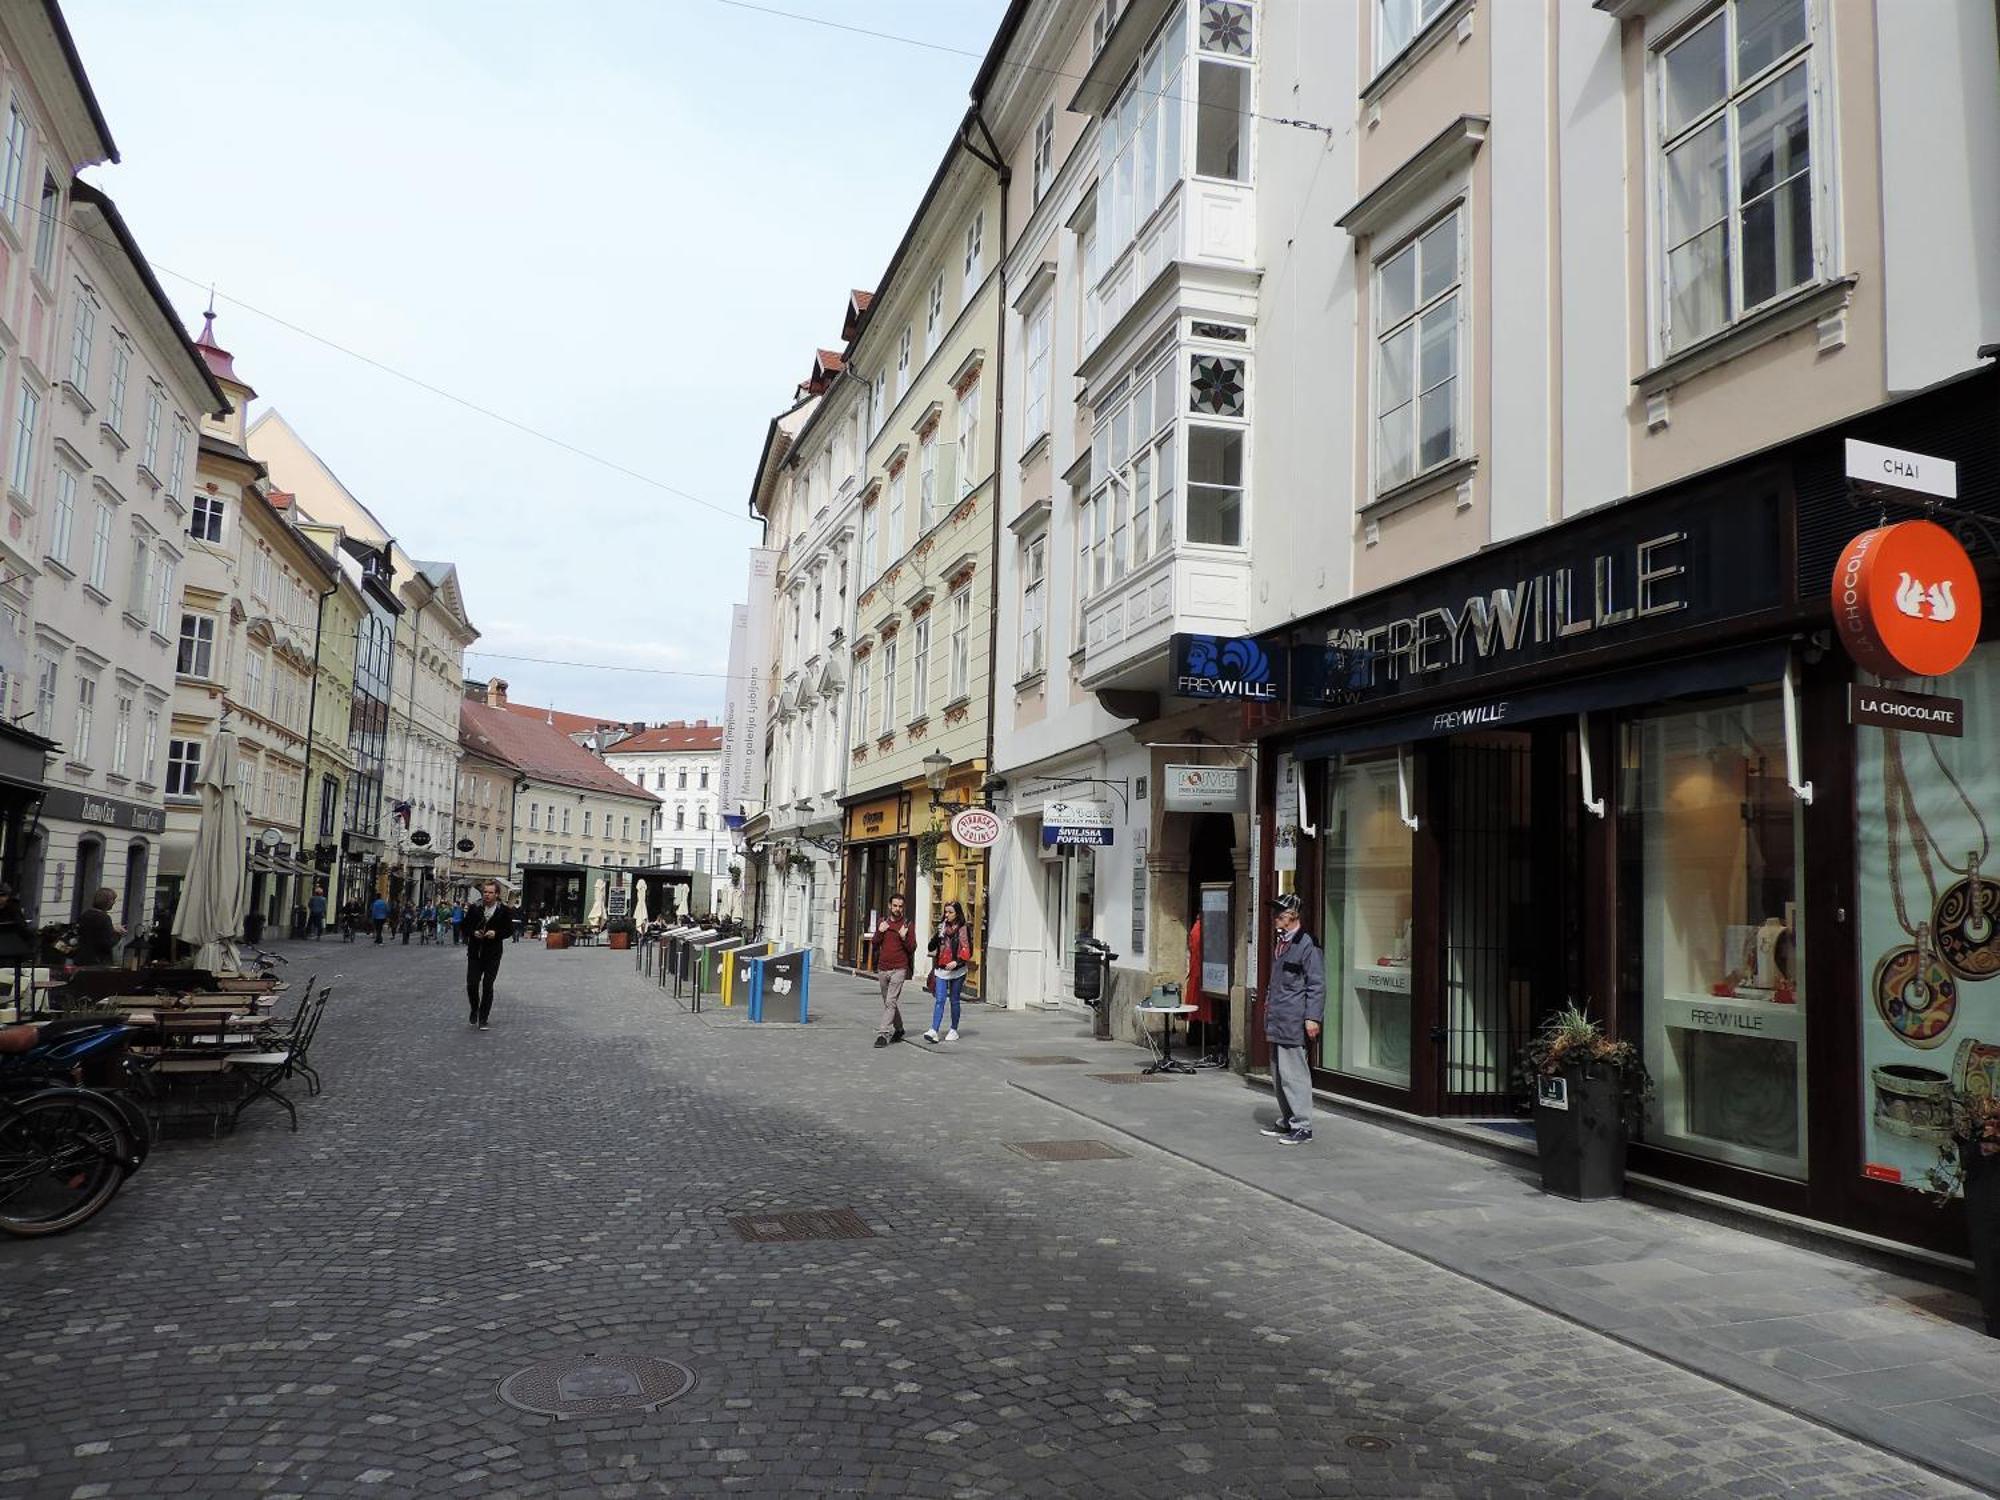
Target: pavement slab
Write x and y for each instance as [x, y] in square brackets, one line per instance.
[332, 1312]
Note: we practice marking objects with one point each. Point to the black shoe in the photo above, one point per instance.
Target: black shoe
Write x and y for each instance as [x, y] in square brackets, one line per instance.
[881, 1041]
[1278, 1127]
[1295, 1137]
[896, 1035]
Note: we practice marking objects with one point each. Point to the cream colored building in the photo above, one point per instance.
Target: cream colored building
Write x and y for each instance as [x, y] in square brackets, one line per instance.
[331, 763]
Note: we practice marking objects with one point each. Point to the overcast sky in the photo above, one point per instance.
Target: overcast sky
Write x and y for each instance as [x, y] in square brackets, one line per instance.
[626, 223]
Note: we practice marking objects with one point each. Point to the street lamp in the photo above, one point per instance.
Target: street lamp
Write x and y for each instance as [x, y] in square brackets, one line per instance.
[937, 767]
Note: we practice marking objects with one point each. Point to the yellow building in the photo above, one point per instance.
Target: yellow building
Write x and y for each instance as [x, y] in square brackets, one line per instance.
[330, 758]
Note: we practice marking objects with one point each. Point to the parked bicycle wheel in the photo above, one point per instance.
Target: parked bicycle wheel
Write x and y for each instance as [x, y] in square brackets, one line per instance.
[63, 1154]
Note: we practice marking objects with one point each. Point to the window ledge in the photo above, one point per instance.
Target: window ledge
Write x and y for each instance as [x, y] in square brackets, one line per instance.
[1033, 679]
[137, 622]
[92, 591]
[59, 568]
[15, 498]
[73, 393]
[1037, 449]
[1410, 491]
[162, 638]
[148, 477]
[148, 787]
[1033, 520]
[1772, 321]
[116, 778]
[1414, 51]
[112, 436]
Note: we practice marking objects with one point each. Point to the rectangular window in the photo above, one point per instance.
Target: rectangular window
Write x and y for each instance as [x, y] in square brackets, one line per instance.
[700, 860]
[47, 225]
[1709, 902]
[534, 817]
[926, 480]
[934, 316]
[121, 736]
[1367, 854]
[45, 696]
[121, 369]
[920, 666]
[1417, 321]
[1034, 605]
[888, 725]
[903, 362]
[681, 779]
[100, 545]
[165, 600]
[177, 466]
[205, 524]
[862, 679]
[26, 413]
[184, 767]
[253, 682]
[1735, 168]
[1222, 112]
[680, 856]
[878, 404]
[149, 453]
[1087, 294]
[82, 339]
[975, 254]
[704, 778]
[139, 580]
[1035, 408]
[871, 567]
[62, 515]
[1397, 23]
[961, 644]
[149, 754]
[1215, 486]
[1045, 152]
[197, 647]
[565, 820]
[586, 822]
[14, 162]
[1139, 142]
[892, 525]
[86, 717]
[969, 468]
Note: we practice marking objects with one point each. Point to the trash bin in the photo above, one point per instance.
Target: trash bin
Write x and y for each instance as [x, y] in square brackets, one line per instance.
[1093, 982]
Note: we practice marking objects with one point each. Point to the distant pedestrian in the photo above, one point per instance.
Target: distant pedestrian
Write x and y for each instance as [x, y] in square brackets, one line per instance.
[378, 915]
[457, 923]
[1294, 1006]
[427, 920]
[951, 959]
[316, 914]
[895, 956]
[489, 923]
[406, 921]
[97, 934]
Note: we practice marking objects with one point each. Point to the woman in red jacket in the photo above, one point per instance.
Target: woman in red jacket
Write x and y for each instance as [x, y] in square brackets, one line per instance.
[951, 955]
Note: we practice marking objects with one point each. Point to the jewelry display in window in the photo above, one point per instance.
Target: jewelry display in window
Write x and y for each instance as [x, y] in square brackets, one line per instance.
[1914, 989]
[1966, 917]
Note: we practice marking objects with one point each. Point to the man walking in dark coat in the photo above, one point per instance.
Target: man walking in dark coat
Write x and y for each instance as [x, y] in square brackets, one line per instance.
[1294, 1006]
[489, 922]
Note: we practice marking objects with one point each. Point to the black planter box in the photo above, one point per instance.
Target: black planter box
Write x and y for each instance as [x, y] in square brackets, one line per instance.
[1982, 1227]
[1580, 1134]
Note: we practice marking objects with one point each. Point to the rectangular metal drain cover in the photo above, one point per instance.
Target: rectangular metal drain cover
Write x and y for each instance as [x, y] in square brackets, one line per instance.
[1047, 1060]
[803, 1224]
[1125, 1077]
[1067, 1150]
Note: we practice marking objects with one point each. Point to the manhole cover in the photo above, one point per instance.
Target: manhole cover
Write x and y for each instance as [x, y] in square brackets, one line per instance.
[1367, 1442]
[1067, 1150]
[1125, 1077]
[1047, 1061]
[596, 1385]
[805, 1224]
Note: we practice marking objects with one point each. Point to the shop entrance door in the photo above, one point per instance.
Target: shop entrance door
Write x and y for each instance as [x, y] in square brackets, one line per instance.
[1512, 879]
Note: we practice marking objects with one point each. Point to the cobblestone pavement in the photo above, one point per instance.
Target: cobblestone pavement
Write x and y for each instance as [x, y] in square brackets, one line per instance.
[331, 1312]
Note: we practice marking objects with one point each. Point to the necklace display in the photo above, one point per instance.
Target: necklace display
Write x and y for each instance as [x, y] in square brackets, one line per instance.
[1966, 917]
[1914, 991]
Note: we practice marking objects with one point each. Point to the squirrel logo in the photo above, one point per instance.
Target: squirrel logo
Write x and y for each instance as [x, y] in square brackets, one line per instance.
[1912, 598]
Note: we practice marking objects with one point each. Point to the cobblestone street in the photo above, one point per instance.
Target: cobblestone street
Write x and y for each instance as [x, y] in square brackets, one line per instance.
[332, 1312]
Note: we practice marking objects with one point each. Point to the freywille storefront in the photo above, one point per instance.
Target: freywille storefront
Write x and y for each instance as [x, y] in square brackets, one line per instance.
[1613, 762]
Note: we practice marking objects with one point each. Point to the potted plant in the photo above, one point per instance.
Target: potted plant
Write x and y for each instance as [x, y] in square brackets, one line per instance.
[620, 930]
[1969, 1169]
[1587, 1090]
[555, 932]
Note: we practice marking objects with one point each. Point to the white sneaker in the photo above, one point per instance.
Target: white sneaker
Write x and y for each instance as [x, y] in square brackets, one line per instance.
[951, 1035]
[930, 1036]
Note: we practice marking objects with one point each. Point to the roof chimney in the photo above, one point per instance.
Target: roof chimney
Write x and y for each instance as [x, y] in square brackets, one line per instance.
[496, 692]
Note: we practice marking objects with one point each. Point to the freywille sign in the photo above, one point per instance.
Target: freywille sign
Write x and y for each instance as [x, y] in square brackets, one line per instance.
[1886, 708]
[1226, 666]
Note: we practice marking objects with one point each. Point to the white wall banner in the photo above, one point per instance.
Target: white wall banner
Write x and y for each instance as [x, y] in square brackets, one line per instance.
[742, 781]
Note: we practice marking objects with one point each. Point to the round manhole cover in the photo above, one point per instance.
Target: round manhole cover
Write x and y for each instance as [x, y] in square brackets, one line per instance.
[595, 1385]
[1367, 1442]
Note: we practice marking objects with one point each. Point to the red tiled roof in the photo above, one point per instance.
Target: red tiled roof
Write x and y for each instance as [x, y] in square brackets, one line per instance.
[862, 299]
[538, 749]
[566, 723]
[829, 360]
[700, 735]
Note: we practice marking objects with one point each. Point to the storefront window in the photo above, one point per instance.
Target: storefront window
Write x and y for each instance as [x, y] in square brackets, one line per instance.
[1928, 906]
[1367, 928]
[1709, 839]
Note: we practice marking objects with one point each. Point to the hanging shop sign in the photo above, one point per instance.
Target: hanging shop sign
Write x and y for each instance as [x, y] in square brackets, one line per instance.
[975, 828]
[1906, 600]
[1613, 578]
[1067, 822]
[1871, 467]
[1227, 666]
[1885, 708]
[465, 846]
[1224, 789]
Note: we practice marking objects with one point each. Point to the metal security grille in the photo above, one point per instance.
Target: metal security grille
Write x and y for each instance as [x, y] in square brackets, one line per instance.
[1125, 1077]
[1046, 1060]
[1489, 892]
[805, 1224]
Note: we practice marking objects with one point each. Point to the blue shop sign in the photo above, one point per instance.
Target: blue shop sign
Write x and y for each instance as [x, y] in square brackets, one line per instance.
[1329, 676]
[1227, 666]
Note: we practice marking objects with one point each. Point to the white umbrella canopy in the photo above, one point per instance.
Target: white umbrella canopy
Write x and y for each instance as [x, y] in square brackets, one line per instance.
[212, 898]
[597, 906]
[639, 913]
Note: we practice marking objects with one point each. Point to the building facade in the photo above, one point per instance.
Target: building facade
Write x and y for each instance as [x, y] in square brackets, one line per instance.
[681, 764]
[113, 504]
[329, 758]
[483, 818]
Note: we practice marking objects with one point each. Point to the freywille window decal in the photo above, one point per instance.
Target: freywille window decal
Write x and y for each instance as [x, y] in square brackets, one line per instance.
[1216, 389]
[1225, 27]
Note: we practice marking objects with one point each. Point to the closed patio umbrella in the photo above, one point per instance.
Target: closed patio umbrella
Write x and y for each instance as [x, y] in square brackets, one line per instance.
[597, 906]
[210, 914]
[638, 903]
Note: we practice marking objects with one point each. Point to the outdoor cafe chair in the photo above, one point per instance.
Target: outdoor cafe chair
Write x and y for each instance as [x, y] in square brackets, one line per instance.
[264, 1070]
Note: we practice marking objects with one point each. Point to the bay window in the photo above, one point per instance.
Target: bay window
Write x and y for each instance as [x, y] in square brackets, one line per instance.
[1139, 140]
[1222, 112]
[1418, 308]
[1736, 166]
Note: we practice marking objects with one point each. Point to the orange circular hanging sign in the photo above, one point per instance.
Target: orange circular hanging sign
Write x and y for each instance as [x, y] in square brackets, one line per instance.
[1907, 600]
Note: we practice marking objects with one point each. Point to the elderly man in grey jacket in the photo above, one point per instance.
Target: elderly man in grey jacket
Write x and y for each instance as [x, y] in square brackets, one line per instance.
[1294, 1006]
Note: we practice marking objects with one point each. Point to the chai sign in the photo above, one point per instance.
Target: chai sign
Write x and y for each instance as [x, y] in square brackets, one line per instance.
[1906, 600]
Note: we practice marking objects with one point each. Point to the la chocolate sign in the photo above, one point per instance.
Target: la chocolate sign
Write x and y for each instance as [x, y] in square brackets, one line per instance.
[1906, 600]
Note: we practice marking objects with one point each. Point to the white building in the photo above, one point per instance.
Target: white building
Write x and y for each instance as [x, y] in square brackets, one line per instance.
[681, 764]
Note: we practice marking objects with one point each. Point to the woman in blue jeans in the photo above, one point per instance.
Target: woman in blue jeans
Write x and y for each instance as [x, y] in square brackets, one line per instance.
[951, 953]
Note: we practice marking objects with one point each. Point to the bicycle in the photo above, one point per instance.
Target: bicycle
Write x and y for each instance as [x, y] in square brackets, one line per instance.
[65, 1150]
